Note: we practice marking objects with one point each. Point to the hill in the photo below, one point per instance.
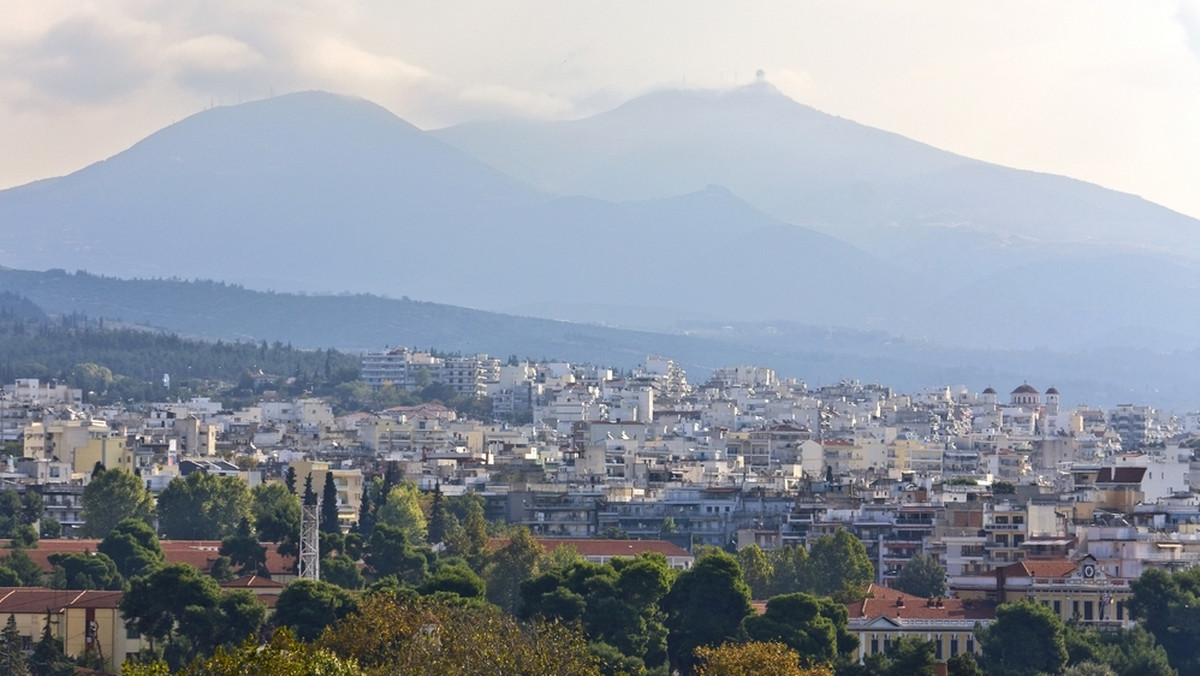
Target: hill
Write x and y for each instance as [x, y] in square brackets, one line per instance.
[218, 311]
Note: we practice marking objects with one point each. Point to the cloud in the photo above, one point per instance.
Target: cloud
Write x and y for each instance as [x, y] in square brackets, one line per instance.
[85, 59]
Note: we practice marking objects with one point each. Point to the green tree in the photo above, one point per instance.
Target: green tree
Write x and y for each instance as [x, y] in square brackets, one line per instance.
[1025, 639]
[792, 572]
[813, 626]
[906, 656]
[757, 571]
[244, 550]
[112, 496]
[922, 576]
[289, 479]
[308, 606]
[133, 547]
[85, 571]
[455, 579]
[1129, 652]
[157, 603]
[50, 529]
[12, 658]
[203, 507]
[440, 519]
[390, 553]
[963, 664]
[705, 607]
[276, 512]
[329, 506]
[48, 658]
[468, 537]
[25, 568]
[342, 571]
[519, 560]
[1168, 606]
[402, 509]
[839, 562]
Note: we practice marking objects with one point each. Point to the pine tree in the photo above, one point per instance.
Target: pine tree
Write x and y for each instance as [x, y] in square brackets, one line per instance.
[439, 518]
[289, 478]
[366, 516]
[329, 506]
[310, 496]
[12, 660]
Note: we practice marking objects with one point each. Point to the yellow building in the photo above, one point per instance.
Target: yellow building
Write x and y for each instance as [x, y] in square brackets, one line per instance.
[349, 484]
[85, 621]
[1075, 590]
[886, 615]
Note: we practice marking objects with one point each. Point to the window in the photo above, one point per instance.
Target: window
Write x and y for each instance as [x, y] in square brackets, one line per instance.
[1058, 608]
[953, 646]
[131, 633]
[970, 644]
[937, 643]
[874, 644]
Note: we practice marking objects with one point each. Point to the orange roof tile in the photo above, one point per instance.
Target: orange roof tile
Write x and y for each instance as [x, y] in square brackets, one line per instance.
[887, 602]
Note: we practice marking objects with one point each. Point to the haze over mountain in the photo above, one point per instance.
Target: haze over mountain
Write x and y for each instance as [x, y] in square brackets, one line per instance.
[217, 311]
[676, 207]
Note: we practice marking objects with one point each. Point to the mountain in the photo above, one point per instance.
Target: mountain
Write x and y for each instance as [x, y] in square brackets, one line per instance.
[816, 170]
[353, 322]
[734, 207]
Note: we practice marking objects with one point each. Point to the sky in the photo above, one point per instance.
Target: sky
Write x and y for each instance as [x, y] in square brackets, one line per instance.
[1102, 90]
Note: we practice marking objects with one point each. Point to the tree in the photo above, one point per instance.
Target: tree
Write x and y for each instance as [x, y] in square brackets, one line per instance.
[906, 656]
[289, 479]
[617, 604]
[48, 658]
[156, 603]
[440, 519]
[512, 564]
[469, 537]
[112, 496]
[244, 550]
[306, 607]
[390, 553]
[1168, 606]
[282, 656]
[791, 569]
[50, 529]
[1025, 639]
[133, 547]
[705, 607]
[1129, 652]
[329, 506]
[236, 616]
[815, 627]
[203, 507]
[839, 562]
[25, 568]
[342, 571]
[12, 659]
[753, 658]
[757, 571]
[455, 579]
[402, 508]
[963, 664]
[276, 513]
[425, 637]
[85, 571]
[922, 576]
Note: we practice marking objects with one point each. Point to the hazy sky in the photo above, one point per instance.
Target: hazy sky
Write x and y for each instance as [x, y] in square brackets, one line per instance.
[1104, 91]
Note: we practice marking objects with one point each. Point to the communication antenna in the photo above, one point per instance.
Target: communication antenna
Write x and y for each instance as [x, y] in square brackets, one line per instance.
[310, 540]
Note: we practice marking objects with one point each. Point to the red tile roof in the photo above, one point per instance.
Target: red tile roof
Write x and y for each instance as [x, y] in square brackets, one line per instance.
[198, 553]
[39, 600]
[887, 602]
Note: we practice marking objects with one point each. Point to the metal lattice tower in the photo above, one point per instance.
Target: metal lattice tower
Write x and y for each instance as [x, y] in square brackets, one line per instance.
[310, 541]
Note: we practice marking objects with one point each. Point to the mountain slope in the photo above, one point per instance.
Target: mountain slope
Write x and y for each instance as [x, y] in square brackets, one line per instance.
[812, 169]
